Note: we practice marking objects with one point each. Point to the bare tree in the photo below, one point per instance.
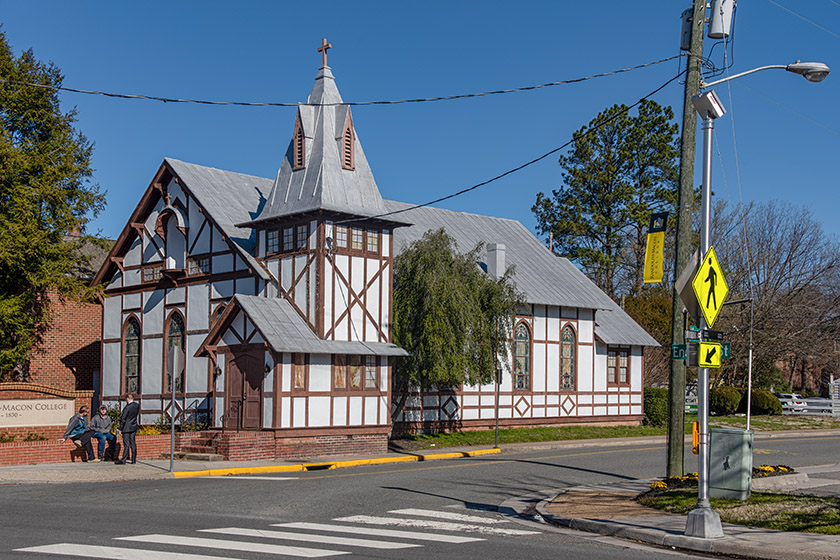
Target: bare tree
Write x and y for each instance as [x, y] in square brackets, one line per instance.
[780, 256]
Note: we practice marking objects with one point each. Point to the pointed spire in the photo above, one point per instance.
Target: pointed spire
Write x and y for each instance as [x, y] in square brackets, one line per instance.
[334, 175]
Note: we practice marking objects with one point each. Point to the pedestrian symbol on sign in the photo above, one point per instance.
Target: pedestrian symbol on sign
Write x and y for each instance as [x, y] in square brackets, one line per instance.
[712, 280]
[710, 287]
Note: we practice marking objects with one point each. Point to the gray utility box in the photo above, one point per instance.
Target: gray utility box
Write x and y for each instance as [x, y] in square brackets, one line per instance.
[730, 463]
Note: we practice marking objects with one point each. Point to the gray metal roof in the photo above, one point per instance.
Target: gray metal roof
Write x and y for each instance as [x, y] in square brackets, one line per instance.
[284, 330]
[615, 326]
[543, 277]
[229, 199]
[323, 184]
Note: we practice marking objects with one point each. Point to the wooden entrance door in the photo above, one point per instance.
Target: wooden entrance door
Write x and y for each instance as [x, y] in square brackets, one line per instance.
[244, 388]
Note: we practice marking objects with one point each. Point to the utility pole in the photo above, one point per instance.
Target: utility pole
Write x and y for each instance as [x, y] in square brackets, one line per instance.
[682, 250]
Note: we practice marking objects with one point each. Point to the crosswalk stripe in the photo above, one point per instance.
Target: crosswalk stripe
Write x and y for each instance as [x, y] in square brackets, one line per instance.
[113, 553]
[447, 515]
[324, 539]
[233, 545]
[436, 525]
[443, 538]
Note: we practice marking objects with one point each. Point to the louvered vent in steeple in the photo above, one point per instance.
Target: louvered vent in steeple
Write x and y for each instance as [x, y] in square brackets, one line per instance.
[347, 141]
[298, 145]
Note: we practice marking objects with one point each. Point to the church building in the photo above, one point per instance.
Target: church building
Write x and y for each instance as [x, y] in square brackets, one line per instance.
[266, 304]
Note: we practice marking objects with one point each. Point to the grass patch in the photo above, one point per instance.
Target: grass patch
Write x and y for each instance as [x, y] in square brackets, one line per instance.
[558, 433]
[524, 435]
[780, 512]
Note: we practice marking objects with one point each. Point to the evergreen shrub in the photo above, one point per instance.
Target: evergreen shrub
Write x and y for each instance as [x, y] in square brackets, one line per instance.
[724, 401]
[656, 406]
[763, 403]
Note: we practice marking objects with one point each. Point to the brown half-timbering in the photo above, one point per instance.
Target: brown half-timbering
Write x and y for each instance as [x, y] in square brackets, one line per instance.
[354, 298]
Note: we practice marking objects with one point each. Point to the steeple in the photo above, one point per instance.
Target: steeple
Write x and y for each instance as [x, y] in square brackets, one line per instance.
[324, 168]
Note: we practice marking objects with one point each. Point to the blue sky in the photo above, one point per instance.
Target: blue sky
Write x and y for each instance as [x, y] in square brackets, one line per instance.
[786, 131]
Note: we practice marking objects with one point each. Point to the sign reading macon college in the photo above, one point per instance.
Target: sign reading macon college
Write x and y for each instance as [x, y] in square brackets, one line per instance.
[36, 412]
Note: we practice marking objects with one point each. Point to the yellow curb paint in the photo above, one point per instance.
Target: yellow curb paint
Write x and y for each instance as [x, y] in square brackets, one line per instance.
[334, 465]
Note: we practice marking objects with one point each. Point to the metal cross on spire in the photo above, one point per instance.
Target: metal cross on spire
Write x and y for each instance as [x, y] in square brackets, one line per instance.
[323, 50]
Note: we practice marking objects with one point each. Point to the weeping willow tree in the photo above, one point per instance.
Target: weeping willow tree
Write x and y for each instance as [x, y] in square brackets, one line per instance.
[453, 318]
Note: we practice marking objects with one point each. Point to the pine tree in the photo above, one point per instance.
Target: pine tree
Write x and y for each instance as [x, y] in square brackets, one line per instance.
[45, 192]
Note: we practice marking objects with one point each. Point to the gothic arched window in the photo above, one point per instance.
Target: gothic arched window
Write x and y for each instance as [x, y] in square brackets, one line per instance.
[521, 358]
[567, 360]
[175, 339]
[131, 356]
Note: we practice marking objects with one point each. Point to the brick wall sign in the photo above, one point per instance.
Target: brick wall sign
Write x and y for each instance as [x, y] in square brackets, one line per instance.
[36, 412]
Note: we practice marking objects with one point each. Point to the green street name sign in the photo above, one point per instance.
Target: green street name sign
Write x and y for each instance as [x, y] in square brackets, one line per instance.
[678, 351]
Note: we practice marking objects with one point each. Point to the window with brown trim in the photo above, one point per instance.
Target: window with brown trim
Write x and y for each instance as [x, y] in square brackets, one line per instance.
[198, 265]
[301, 236]
[357, 241]
[217, 313]
[521, 358]
[152, 272]
[131, 356]
[356, 373]
[299, 372]
[567, 359]
[339, 372]
[618, 366]
[372, 241]
[288, 239]
[371, 372]
[272, 241]
[341, 236]
[175, 338]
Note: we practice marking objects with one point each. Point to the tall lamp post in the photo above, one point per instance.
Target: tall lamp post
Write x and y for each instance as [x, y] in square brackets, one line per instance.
[703, 521]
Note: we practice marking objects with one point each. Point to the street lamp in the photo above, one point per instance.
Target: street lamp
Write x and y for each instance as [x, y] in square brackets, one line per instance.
[811, 71]
[703, 521]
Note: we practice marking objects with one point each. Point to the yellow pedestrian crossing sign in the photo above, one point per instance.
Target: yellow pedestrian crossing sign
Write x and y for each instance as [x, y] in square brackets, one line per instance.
[709, 355]
[710, 287]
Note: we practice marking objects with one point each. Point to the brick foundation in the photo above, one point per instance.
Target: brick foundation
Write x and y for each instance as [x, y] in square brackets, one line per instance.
[242, 446]
[318, 446]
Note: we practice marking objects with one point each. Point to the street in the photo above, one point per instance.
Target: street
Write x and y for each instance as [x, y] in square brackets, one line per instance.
[388, 511]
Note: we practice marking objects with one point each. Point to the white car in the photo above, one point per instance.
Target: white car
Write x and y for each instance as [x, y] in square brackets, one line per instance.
[792, 402]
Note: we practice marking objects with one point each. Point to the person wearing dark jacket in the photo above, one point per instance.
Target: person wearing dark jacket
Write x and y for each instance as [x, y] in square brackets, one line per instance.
[129, 424]
[77, 430]
[101, 425]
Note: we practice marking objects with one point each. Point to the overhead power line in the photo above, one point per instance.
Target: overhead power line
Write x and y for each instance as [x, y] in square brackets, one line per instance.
[803, 18]
[355, 103]
[596, 126]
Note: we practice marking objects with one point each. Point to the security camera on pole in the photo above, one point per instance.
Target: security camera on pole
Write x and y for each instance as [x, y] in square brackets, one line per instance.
[709, 285]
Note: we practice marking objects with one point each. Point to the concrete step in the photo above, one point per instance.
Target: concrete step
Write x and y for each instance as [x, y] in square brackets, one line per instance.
[197, 449]
[188, 456]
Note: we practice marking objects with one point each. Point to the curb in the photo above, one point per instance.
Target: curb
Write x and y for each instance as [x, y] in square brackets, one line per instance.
[329, 465]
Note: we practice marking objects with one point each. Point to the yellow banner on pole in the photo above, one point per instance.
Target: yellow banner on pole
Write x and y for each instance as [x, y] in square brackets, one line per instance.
[655, 249]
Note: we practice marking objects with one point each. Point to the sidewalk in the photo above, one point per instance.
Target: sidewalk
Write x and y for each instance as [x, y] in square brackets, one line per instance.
[149, 469]
[612, 510]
